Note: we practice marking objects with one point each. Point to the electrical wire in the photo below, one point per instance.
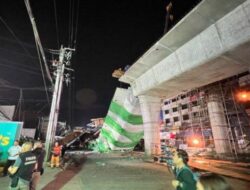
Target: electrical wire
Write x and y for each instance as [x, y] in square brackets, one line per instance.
[77, 20]
[19, 105]
[21, 102]
[72, 24]
[70, 13]
[38, 41]
[21, 99]
[26, 100]
[20, 69]
[44, 106]
[14, 35]
[36, 88]
[18, 65]
[41, 66]
[7, 51]
[56, 22]
[39, 47]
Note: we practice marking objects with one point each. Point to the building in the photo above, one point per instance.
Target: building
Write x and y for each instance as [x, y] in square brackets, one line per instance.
[195, 119]
[196, 67]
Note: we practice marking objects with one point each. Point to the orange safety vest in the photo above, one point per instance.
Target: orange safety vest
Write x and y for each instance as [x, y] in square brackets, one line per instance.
[57, 150]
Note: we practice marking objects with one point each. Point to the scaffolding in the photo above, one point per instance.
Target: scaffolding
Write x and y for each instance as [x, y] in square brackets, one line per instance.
[187, 115]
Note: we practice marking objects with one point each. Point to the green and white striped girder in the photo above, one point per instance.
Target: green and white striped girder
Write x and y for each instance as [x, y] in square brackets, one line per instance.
[123, 125]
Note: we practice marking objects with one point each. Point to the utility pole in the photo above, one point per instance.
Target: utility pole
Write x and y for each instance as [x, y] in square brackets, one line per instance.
[64, 59]
[63, 64]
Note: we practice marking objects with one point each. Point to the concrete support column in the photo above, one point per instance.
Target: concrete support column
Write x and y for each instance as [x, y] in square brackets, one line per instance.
[218, 124]
[150, 108]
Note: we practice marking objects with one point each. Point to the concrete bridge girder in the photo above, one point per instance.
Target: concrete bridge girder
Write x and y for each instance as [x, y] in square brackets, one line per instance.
[200, 18]
[220, 51]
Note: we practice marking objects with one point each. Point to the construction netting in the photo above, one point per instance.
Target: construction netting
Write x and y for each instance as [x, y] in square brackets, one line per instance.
[123, 125]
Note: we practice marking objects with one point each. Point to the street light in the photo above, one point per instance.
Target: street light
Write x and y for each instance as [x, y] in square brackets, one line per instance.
[195, 141]
[243, 96]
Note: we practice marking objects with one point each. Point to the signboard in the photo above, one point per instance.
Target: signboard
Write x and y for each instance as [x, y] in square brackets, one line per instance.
[27, 132]
[9, 132]
[7, 112]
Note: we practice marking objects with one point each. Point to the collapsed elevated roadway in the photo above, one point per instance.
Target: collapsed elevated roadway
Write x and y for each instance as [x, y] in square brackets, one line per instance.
[209, 44]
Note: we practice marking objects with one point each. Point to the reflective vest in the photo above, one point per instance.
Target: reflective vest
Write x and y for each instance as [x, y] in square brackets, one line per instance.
[27, 165]
[57, 151]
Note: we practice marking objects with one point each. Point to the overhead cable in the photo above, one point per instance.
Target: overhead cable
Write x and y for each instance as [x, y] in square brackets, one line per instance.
[20, 69]
[70, 21]
[35, 88]
[37, 39]
[44, 82]
[17, 53]
[73, 22]
[76, 26]
[20, 66]
[14, 35]
[56, 22]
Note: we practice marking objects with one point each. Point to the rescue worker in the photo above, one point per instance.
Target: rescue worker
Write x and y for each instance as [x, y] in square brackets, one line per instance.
[21, 171]
[55, 158]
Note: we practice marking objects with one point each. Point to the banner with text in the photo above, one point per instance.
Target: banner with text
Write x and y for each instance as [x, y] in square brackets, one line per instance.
[9, 132]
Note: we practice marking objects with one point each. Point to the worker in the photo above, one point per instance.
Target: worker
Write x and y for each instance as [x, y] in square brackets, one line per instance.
[169, 17]
[55, 158]
[21, 171]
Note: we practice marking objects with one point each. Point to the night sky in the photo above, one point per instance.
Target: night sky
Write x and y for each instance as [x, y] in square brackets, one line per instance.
[110, 34]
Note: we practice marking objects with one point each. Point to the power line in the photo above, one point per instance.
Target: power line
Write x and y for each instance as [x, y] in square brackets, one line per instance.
[28, 53]
[70, 13]
[13, 34]
[25, 44]
[38, 41]
[18, 65]
[26, 100]
[38, 88]
[44, 82]
[77, 19]
[73, 22]
[21, 99]
[19, 105]
[17, 53]
[57, 31]
[39, 47]
[21, 69]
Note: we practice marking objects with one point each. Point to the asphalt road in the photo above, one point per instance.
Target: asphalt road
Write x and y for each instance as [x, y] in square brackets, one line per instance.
[111, 172]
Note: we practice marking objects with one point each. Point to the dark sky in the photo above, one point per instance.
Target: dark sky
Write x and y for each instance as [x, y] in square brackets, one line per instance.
[110, 34]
